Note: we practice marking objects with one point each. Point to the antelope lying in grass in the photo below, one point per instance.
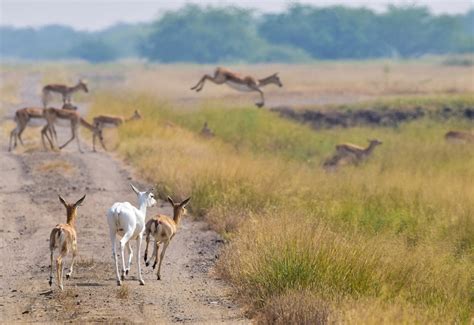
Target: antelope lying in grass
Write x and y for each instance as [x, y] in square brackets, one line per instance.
[163, 229]
[459, 136]
[64, 238]
[64, 90]
[239, 82]
[350, 153]
[129, 223]
[52, 115]
[206, 131]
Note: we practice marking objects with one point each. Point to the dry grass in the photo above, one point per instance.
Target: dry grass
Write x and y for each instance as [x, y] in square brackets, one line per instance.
[123, 292]
[85, 262]
[396, 230]
[57, 166]
[297, 307]
[310, 83]
[67, 300]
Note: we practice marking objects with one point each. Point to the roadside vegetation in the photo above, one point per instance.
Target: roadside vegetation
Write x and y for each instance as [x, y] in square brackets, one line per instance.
[389, 240]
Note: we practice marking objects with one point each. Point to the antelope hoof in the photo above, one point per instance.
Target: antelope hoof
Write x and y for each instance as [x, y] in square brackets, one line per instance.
[50, 282]
[68, 276]
[61, 287]
[142, 283]
[158, 277]
[259, 105]
[122, 277]
[147, 263]
[154, 265]
[119, 283]
[126, 272]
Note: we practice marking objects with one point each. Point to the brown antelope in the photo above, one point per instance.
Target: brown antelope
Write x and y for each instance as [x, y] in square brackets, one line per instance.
[459, 136]
[239, 82]
[53, 114]
[112, 121]
[64, 90]
[350, 153]
[64, 238]
[206, 131]
[22, 117]
[163, 229]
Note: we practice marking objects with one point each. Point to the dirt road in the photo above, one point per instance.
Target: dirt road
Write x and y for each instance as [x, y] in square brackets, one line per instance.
[30, 181]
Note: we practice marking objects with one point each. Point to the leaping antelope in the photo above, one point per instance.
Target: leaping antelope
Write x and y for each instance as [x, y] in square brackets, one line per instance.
[53, 114]
[351, 153]
[64, 90]
[459, 136]
[239, 82]
[163, 229]
[22, 117]
[128, 222]
[64, 238]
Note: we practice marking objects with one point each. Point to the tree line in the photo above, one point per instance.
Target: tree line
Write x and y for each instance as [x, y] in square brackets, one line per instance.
[229, 34]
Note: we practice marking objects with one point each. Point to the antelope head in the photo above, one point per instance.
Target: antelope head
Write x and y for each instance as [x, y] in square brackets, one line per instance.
[179, 209]
[146, 197]
[82, 84]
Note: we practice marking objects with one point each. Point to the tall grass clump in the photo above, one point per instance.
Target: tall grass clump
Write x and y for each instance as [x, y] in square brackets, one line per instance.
[392, 236]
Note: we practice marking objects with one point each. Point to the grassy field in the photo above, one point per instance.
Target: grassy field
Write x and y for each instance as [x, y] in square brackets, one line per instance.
[387, 241]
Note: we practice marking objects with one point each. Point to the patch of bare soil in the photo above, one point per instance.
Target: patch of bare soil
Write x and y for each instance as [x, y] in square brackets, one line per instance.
[29, 208]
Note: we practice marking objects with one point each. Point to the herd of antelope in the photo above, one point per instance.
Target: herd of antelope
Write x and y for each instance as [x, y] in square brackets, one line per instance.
[125, 220]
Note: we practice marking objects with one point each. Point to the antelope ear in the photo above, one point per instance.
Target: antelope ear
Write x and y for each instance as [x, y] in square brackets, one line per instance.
[151, 190]
[134, 189]
[276, 74]
[79, 202]
[170, 200]
[183, 204]
[62, 201]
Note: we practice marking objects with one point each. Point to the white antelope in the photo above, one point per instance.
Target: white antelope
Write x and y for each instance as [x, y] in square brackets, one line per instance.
[351, 153]
[163, 229]
[64, 90]
[64, 238]
[239, 82]
[128, 222]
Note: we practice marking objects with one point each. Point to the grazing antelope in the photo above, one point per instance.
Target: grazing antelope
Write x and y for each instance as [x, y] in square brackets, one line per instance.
[459, 136]
[128, 222]
[64, 90]
[53, 114]
[163, 229]
[206, 131]
[22, 117]
[239, 82]
[102, 121]
[351, 153]
[64, 238]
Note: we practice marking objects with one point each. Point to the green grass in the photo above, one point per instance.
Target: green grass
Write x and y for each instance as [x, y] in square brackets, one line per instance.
[393, 234]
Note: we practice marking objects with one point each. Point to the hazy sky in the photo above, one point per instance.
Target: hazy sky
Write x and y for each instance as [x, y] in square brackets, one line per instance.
[97, 14]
